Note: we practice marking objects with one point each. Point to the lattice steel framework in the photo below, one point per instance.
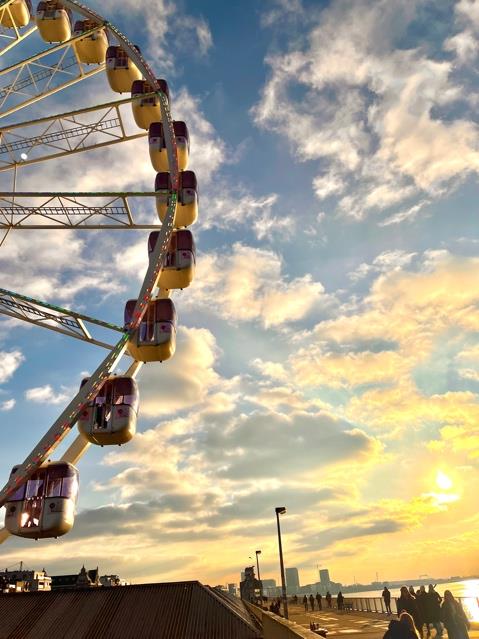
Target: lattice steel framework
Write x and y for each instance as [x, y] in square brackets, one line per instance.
[42, 75]
[72, 211]
[64, 134]
[61, 320]
[8, 39]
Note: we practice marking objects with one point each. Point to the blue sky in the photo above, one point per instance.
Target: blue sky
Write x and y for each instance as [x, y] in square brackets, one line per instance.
[328, 349]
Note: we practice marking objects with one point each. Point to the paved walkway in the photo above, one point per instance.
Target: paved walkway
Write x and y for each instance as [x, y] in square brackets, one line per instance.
[363, 625]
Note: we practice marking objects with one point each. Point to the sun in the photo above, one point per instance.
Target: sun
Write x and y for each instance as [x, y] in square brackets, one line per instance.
[443, 481]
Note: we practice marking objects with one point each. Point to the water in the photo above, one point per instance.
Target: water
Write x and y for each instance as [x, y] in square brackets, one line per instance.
[466, 588]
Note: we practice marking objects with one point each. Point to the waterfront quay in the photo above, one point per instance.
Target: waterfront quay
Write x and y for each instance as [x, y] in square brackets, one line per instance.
[363, 625]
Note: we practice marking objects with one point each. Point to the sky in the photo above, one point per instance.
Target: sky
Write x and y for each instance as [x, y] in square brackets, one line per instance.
[328, 350]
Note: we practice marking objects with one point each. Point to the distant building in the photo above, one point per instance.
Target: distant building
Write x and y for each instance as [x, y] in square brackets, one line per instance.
[113, 580]
[270, 588]
[84, 579]
[292, 581]
[24, 580]
[324, 577]
[232, 590]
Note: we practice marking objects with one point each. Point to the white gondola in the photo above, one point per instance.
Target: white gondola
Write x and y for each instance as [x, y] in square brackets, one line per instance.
[44, 506]
[91, 49]
[121, 72]
[155, 338]
[53, 21]
[110, 418]
[180, 263]
[157, 146]
[187, 207]
[147, 110]
[18, 14]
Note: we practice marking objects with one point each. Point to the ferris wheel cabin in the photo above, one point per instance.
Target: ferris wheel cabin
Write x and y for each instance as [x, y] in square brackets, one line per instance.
[110, 418]
[45, 505]
[53, 21]
[155, 338]
[121, 72]
[157, 146]
[147, 110]
[180, 262]
[92, 48]
[187, 208]
[19, 15]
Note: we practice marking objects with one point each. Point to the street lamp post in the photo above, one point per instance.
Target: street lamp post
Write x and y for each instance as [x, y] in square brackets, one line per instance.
[280, 510]
[258, 552]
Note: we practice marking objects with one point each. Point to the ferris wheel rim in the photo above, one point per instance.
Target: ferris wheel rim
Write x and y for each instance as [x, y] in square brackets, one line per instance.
[61, 427]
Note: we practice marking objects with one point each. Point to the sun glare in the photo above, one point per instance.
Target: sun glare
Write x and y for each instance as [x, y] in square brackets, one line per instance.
[443, 481]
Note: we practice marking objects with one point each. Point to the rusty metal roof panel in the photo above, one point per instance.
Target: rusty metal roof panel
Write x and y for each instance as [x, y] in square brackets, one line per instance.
[182, 610]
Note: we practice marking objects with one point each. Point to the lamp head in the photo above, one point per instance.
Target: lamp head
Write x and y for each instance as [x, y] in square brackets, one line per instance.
[258, 552]
[280, 510]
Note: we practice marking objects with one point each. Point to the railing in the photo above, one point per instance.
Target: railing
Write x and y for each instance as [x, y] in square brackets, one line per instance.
[376, 604]
[275, 627]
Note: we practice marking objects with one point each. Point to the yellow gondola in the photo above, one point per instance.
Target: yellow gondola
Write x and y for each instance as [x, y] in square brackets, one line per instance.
[45, 505]
[18, 14]
[155, 338]
[121, 72]
[91, 49]
[53, 21]
[187, 207]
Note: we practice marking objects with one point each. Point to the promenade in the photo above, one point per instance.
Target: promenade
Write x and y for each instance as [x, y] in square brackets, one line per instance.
[363, 625]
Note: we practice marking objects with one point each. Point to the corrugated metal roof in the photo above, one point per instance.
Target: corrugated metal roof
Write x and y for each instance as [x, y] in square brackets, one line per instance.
[183, 610]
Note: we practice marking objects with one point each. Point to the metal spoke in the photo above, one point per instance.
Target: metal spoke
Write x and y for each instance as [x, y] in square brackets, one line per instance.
[43, 74]
[64, 134]
[73, 211]
[55, 318]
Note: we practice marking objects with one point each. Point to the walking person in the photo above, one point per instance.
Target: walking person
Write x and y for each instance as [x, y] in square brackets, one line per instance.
[305, 602]
[319, 600]
[454, 617]
[340, 600]
[386, 594]
[407, 603]
[328, 598]
[433, 611]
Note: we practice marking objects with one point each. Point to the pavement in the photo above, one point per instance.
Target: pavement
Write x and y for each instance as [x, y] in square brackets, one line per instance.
[363, 625]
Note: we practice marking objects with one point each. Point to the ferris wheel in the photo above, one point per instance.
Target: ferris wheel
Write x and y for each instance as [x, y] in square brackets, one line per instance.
[76, 43]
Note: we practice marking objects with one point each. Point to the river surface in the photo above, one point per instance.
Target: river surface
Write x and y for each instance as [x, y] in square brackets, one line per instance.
[466, 588]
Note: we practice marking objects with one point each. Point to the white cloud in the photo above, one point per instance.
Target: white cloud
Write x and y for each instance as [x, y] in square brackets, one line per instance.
[9, 362]
[7, 405]
[46, 395]
[385, 262]
[247, 284]
[345, 95]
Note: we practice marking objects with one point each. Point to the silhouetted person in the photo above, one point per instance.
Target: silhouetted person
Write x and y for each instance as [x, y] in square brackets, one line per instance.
[340, 600]
[328, 598]
[311, 601]
[305, 601]
[411, 591]
[295, 599]
[433, 611]
[454, 617]
[386, 594]
[403, 628]
[421, 600]
[319, 600]
[407, 603]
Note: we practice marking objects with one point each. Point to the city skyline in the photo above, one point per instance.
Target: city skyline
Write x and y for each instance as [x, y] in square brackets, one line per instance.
[327, 349]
